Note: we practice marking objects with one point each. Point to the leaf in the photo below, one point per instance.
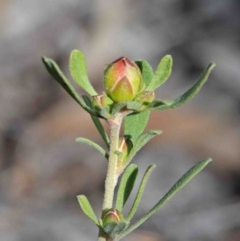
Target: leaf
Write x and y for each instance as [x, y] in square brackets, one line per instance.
[176, 187]
[146, 70]
[57, 74]
[87, 208]
[97, 122]
[135, 124]
[126, 186]
[113, 228]
[93, 144]
[162, 73]
[77, 66]
[140, 192]
[142, 140]
[188, 95]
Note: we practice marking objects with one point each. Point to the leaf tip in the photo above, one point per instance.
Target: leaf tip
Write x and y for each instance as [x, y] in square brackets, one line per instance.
[212, 65]
[44, 59]
[205, 162]
[169, 56]
[80, 196]
[208, 160]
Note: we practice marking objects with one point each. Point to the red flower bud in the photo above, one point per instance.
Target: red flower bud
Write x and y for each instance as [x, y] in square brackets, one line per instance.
[123, 80]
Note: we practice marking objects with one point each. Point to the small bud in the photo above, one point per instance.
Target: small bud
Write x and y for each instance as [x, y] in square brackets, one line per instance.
[124, 147]
[123, 80]
[101, 101]
[145, 97]
[112, 215]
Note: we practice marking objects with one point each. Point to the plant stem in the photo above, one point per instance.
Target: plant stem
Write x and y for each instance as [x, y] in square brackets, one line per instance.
[102, 236]
[111, 178]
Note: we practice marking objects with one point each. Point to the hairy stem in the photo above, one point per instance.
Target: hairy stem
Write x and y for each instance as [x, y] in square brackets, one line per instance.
[111, 178]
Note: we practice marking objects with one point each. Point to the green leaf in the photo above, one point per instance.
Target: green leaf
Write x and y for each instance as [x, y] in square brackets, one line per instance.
[142, 140]
[113, 228]
[135, 124]
[57, 74]
[176, 187]
[162, 73]
[146, 70]
[93, 144]
[140, 192]
[97, 122]
[87, 208]
[126, 186]
[188, 95]
[77, 66]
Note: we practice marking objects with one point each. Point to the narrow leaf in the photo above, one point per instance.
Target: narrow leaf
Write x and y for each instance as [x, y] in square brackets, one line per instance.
[87, 208]
[57, 74]
[135, 124]
[176, 187]
[146, 70]
[188, 95]
[77, 66]
[97, 122]
[92, 144]
[140, 192]
[142, 140]
[126, 186]
[162, 73]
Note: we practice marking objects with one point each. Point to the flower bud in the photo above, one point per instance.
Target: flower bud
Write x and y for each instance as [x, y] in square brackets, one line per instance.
[145, 97]
[123, 80]
[124, 147]
[101, 101]
[112, 215]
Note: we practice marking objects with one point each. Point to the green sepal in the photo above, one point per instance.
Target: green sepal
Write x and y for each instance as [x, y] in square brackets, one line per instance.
[162, 73]
[146, 70]
[133, 105]
[142, 140]
[140, 192]
[176, 187]
[104, 113]
[126, 105]
[189, 94]
[57, 74]
[93, 144]
[126, 186]
[118, 107]
[87, 208]
[113, 229]
[77, 66]
[135, 124]
[97, 122]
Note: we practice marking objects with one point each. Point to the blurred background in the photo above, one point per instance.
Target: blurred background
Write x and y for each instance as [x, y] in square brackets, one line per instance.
[42, 169]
